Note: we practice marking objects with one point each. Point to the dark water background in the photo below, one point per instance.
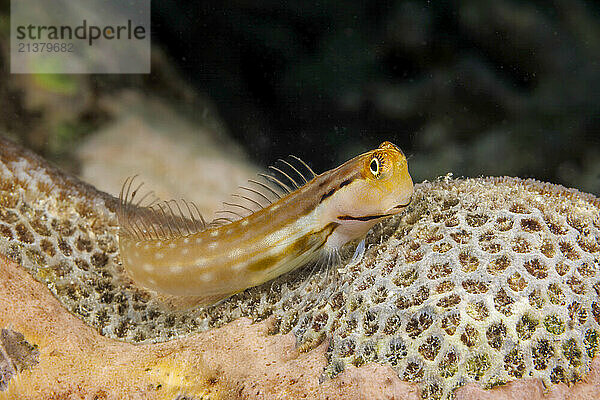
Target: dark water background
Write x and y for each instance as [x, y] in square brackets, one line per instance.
[480, 87]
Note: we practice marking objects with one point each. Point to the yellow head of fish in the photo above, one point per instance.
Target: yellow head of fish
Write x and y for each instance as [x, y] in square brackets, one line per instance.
[379, 186]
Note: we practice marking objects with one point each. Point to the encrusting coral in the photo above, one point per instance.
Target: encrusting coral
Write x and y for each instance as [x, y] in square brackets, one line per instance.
[481, 280]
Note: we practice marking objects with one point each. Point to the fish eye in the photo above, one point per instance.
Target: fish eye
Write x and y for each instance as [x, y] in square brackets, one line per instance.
[374, 166]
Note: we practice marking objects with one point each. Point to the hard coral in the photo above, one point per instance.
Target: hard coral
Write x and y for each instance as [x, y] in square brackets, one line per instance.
[482, 280]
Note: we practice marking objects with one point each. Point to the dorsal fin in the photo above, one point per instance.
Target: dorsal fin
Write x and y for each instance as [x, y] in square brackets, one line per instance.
[170, 219]
[160, 220]
[284, 179]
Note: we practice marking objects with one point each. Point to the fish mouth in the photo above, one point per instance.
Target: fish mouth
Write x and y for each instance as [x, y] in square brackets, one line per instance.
[392, 211]
[399, 207]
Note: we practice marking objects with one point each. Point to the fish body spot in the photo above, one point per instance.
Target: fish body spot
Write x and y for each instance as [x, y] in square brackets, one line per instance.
[172, 245]
[214, 233]
[159, 255]
[212, 245]
[148, 267]
[176, 269]
[186, 240]
[158, 244]
[245, 222]
[235, 253]
[198, 240]
[207, 276]
[185, 251]
[238, 266]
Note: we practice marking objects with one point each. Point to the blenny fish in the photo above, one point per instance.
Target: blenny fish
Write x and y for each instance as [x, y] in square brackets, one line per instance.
[279, 226]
